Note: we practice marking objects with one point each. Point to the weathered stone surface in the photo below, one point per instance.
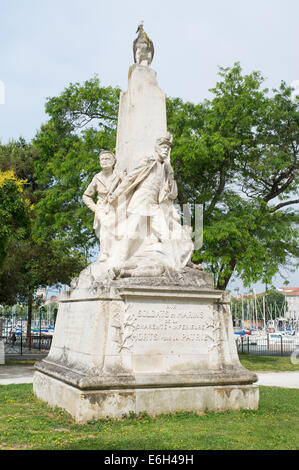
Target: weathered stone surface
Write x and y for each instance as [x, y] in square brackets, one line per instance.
[95, 404]
[2, 352]
[139, 337]
[143, 47]
[141, 118]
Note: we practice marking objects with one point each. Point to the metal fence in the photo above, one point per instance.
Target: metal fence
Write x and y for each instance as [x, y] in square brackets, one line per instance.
[268, 345]
[17, 345]
[13, 332]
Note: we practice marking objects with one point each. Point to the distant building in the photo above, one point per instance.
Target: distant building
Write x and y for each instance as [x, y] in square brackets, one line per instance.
[53, 298]
[292, 300]
[41, 292]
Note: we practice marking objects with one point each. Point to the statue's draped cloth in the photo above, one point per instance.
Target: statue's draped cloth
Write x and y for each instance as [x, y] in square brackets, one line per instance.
[147, 221]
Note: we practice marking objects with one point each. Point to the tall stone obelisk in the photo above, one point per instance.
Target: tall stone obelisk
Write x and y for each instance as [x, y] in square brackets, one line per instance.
[141, 118]
[142, 109]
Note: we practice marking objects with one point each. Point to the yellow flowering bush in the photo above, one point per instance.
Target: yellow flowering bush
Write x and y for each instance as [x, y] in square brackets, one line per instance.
[14, 211]
[10, 176]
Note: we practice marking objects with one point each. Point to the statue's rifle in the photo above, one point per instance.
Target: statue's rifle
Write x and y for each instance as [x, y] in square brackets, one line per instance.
[112, 189]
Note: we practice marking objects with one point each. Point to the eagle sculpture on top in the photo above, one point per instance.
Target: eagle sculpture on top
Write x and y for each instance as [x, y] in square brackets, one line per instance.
[143, 47]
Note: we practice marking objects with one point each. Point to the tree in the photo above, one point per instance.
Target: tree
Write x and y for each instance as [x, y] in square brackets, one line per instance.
[237, 154]
[68, 146]
[274, 303]
[29, 264]
[14, 212]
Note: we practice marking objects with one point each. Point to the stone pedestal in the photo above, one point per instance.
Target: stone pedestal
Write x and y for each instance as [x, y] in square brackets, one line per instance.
[144, 345]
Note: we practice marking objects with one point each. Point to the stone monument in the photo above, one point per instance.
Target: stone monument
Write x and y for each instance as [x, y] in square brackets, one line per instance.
[142, 328]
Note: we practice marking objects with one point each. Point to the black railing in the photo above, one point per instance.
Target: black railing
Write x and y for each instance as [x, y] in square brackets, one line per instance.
[268, 345]
[19, 345]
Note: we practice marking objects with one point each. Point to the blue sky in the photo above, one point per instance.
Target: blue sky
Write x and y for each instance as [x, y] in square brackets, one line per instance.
[46, 44]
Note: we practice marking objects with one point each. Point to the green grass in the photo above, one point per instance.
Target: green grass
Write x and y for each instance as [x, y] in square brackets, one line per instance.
[20, 362]
[267, 363]
[250, 361]
[28, 423]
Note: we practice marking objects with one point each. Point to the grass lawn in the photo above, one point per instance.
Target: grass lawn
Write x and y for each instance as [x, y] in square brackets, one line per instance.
[250, 361]
[28, 423]
[20, 362]
[267, 363]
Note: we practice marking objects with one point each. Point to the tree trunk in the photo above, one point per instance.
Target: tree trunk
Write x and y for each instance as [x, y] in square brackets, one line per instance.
[29, 319]
[223, 283]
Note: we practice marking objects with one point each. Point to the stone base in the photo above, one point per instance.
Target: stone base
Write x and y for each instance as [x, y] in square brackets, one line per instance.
[134, 346]
[95, 404]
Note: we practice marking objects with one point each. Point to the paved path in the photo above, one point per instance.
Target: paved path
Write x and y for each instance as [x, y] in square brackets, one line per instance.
[279, 379]
[24, 374]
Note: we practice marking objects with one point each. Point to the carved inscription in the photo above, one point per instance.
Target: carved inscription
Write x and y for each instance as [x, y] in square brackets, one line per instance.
[169, 323]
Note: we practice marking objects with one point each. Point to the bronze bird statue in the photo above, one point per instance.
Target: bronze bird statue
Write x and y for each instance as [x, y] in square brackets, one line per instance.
[143, 47]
